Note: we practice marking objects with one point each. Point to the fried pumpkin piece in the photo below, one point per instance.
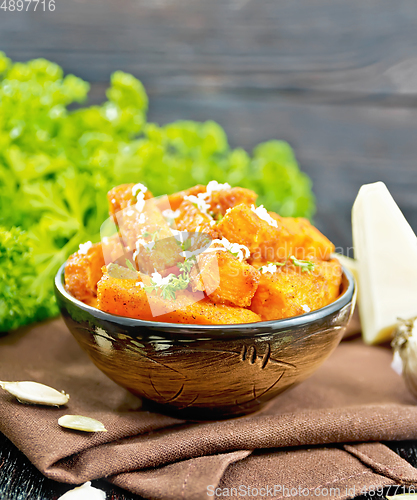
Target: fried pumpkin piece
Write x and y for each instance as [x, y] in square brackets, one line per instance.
[144, 232]
[114, 251]
[241, 225]
[82, 272]
[120, 292]
[290, 291]
[219, 197]
[190, 218]
[308, 240]
[224, 278]
[125, 195]
[176, 199]
[275, 238]
[126, 297]
[205, 312]
[220, 201]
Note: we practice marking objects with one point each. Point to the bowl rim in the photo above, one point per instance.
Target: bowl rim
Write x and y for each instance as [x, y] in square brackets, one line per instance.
[348, 296]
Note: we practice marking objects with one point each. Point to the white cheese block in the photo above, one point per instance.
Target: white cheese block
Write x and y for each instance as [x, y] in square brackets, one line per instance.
[386, 253]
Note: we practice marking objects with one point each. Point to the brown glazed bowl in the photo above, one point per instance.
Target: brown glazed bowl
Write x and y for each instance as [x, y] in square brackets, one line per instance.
[207, 372]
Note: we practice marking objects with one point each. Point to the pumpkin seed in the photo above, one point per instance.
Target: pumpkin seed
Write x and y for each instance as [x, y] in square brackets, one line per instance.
[80, 423]
[84, 492]
[35, 393]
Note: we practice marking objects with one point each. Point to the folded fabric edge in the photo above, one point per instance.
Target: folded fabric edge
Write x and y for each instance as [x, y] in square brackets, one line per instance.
[384, 461]
[336, 426]
[189, 479]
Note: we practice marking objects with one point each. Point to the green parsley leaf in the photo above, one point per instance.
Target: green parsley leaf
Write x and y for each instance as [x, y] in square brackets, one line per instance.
[20, 303]
[130, 265]
[305, 265]
[153, 235]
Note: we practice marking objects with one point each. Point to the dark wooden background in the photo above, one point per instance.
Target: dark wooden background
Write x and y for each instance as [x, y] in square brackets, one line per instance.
[337, 79]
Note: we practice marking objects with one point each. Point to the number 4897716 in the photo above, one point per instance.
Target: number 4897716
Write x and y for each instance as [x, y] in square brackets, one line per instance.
[19, 5]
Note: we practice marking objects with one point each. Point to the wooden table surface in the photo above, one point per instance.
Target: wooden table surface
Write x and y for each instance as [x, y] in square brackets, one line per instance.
[337, 79]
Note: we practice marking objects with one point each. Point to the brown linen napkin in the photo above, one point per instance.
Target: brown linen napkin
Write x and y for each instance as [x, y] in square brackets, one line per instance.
[300, 439]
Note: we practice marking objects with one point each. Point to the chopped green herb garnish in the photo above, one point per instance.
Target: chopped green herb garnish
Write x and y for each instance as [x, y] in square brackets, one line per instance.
[153, 234]
[130, 265]
[186, 245]
[168, 287]
[305, 265]
[187, 265]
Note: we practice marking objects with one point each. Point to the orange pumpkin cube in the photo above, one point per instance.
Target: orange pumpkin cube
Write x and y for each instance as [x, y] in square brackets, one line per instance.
[225, 279]
[82, 272]
[190, 219]
[290, 291]
[121, 197]
[220, 201]
[277, 239]
[126, 297]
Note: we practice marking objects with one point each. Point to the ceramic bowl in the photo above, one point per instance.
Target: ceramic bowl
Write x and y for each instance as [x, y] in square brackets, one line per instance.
[207, 371]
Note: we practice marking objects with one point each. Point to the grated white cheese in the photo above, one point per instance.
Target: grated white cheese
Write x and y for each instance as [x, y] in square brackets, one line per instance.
[270, 268]
[140, 241]
[138, 187]
[202, 199]
[239, 251]
[131, 212]
[199, 201]
[140, 204]
[147, 244]
[85, 247]
[159, 280]
[171, 214]
[305, 308]
[213, 186]
[263, 214]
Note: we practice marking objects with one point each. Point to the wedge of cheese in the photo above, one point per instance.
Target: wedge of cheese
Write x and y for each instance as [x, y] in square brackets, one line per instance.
[386, 253]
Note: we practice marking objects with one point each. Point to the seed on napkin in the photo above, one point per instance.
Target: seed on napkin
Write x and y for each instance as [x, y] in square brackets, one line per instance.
[80, 423]
[35, 393]
[84, 492]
